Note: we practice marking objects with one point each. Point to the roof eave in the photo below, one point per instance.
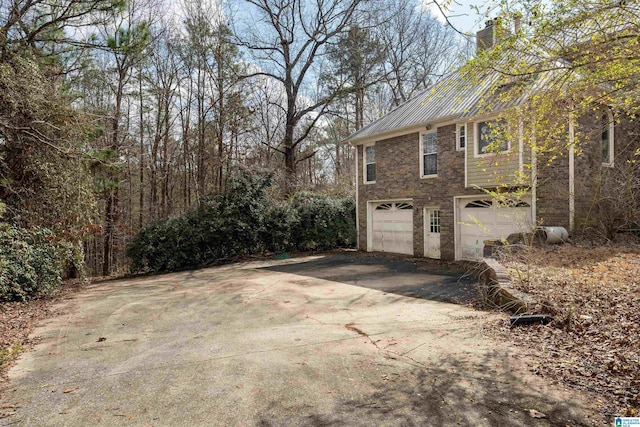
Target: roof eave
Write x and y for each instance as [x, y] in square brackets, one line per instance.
[403, 130]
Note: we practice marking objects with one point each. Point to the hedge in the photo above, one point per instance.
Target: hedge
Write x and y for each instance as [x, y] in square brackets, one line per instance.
[30, 262]
[241, 221]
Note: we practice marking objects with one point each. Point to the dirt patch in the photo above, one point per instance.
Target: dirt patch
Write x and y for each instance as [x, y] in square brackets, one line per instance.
[18, 319]
[594, 343]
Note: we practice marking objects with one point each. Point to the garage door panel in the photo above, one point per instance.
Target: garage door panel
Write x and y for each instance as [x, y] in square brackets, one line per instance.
[392, 227]
[481, 220]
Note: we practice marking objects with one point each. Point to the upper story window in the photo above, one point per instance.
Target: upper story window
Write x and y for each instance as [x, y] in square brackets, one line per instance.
[490, 137]
[461, 140]
[607, 138]
[429, 154]
[370, 163]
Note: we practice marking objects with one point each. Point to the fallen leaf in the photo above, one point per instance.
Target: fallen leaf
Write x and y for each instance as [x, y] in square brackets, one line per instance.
[536, 414]
[9, 406]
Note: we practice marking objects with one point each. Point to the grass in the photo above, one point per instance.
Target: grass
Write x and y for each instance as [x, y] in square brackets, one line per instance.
[10, 353]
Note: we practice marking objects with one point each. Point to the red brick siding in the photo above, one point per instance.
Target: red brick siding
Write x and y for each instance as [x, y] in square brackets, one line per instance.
[398, 177]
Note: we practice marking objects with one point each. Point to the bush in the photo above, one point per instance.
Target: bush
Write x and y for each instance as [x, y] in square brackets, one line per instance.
[243, 221]
[228, 226]
[30, 263]
[278, 228]
[324, 222]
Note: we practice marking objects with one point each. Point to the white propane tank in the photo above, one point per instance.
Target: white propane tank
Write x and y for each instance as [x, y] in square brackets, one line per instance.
[556, 234]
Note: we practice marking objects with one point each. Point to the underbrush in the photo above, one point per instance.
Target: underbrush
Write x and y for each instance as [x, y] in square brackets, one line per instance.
[9, 353]
[31, 262]
[594, 294]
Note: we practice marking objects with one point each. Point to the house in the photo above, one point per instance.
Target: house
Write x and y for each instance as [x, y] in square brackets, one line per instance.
[425, 178]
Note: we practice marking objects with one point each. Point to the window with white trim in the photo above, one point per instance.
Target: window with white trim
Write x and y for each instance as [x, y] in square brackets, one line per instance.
[461, 137]
[429, 154]
[489, 134]
[607, 138]
[370, 163]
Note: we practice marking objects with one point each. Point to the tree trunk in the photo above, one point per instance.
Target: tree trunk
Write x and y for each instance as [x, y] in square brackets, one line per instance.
[141, 199]
[112, 197]
[108, 236]
[289, 160]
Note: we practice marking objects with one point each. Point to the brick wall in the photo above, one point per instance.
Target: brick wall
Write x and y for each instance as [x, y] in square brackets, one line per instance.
[553, 191]
[593, 180]
[398, 177]
[588, 166]
[589, 173]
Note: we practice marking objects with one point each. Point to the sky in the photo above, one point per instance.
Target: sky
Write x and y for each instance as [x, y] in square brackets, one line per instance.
[462, 13]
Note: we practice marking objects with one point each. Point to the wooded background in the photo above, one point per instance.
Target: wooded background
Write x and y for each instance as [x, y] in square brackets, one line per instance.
[117, 114]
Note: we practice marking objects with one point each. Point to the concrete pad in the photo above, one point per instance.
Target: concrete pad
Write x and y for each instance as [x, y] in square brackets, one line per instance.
[257, 344]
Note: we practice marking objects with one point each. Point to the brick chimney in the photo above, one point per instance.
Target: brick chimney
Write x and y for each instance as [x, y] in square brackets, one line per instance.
[486, 38]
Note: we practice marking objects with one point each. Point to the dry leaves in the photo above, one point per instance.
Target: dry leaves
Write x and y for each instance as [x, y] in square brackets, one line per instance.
[536, 414]
[594, 344]
[17, 320]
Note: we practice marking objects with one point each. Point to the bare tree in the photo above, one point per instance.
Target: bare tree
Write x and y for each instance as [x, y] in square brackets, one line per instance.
[419, 49]
[287, 42]
[127, 37]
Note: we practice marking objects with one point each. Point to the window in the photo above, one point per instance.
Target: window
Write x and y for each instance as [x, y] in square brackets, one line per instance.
[607, 138]
[434, 221]
[461, 137]
[384, 207]
[429, 157]
[479, 204]
[488, 134]
[510, 203]
[370, 163]
[404, 206]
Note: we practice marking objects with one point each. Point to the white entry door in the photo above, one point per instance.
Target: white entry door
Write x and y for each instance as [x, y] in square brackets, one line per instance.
[392, 227]
[432, 233]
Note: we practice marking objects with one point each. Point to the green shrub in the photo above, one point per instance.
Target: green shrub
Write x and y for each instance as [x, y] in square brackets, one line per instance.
[324, 222]
[278, 229]
[30, 262]
[243, 221]
[228, 226]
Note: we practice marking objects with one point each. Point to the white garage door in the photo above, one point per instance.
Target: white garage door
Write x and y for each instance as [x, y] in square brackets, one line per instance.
[486, 219]
[392, 227]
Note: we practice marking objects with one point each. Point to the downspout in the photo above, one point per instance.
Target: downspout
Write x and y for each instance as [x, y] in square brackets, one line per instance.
[466, 147]
[521, 146]
[572, 197]
[357, 204]
[534, 181]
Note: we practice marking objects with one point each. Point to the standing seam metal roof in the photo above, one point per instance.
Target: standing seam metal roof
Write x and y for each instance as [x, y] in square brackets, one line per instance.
[455, 96]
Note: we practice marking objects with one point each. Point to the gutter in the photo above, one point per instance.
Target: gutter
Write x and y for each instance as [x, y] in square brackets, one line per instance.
[572, 196]
[357, 203]
[389, 133]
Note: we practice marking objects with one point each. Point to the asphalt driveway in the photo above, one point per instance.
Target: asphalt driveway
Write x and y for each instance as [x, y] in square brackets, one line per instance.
[325, 340]
[419, 278]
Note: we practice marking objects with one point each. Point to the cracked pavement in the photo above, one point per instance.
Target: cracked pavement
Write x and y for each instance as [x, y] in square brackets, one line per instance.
[340, 339]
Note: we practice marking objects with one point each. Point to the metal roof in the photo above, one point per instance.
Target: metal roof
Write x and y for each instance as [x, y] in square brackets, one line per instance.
[455, 96]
